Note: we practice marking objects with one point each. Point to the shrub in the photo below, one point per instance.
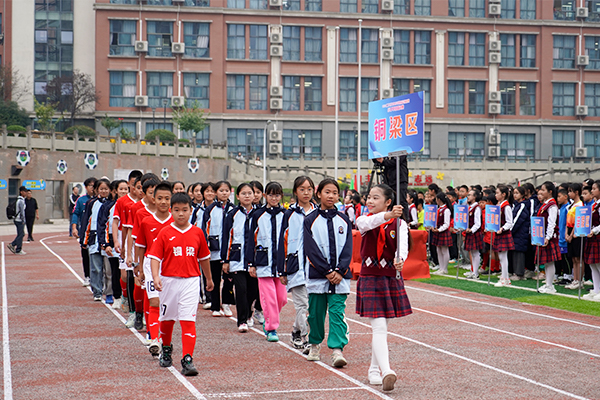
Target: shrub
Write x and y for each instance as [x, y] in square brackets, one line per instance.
[161, 134]
[185, 141]
[82, 129]
[16, 128]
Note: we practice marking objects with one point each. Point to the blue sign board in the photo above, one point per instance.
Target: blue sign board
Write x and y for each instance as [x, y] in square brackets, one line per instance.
[3, 184]
[35, 185]
[538, 236]
[492, 218]
[583, 221]
[461, 217]
[396, 124]
[430, 217]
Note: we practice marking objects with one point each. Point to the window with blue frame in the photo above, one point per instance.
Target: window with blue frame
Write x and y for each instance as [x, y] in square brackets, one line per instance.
[456, 8]
[402, 7]
[313, 5]
[508, 9]
[201, 137]
[160, 37]
[477, 8]
[594, 11]
[517, 146]
[348, 44]
[258, 92]
[159, 87]
[563, 99]
[422, 47]
[425, 154]
[369, 92]
[128, 130]
[259, 42]
[349, 145]
[563, 143]
[507, 51]
[592, 49]
[301, 142]
[564, 10]
[313, 43]
[564, 51]
[291, 5]
[401, 47]
[470, 145]
[370, 46]
[456, 97]
[312, 93]
[236, 3]
[196, 87]
[401, 87]
[122, 37]
[291, 93]
[508, 98]
[236, 41]
[245, 142]
[370, 6]
[348, 94]
[591, 140]
[259, 4]
[158, 125]
[527, 98]
[476, 97]
[592, 99]
[349, 6]
[236, 92]
[197, 3]
[196, 37]
[528, 9]
[477, 49]
[122, 88]
[291, 43]
[456, 48]
[422, 7]
[159, 2]
[424, 85]
[528, 51]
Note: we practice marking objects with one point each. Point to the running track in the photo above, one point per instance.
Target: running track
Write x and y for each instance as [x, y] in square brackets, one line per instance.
[58, 343]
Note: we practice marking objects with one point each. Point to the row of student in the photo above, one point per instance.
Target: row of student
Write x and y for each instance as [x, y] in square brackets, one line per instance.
[305, 250]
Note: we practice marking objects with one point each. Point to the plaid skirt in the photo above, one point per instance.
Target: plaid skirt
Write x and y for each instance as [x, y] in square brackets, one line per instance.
[548, 253]
[441, 239]
[474, 241]
[381, 297]
[504, 242]
[591, 253]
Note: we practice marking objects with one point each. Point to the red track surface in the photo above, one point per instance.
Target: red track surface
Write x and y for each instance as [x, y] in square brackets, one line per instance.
[63, 345]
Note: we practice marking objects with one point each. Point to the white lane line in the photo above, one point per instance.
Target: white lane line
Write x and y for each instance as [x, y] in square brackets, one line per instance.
[503, 307]
[8, 392]
[490, 367]
[251, 394]
[188, 385]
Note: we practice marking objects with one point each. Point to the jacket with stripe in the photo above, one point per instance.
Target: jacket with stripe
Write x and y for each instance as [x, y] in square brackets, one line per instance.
[212, 225]
[235, 230]
[90, 239]
[260, 248]
[105, 219]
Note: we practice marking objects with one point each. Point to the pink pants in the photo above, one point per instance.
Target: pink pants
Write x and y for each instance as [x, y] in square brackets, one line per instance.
[273, 296]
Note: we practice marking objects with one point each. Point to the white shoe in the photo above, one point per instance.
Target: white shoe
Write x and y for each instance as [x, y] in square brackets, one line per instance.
[590, 296]
[206, 306]
[86, 282]
[130, 321]
[588, 283]
[375, 378]
[260, 317]
[502, 283]
[117, 304]
[217, 313]
[314, 353]
[337, 359]
[572, 285]
[439, 272]
[434, 268]
[389, 379]
[474, 276]
[154, 347]
[468, 274]
[227, 310]
[243, 328]
[548, 289]
[250, 322]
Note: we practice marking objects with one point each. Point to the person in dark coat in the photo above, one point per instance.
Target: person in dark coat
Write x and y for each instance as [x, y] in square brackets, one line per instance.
[520, 232]
[31, 214]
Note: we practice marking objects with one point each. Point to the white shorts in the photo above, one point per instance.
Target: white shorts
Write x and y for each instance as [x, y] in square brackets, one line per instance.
[179, 298]
[123, 265]
[148, 280]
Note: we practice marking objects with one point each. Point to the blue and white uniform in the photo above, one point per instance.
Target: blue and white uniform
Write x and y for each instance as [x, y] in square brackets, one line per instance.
[212, 225]
[235, 231]
[263, 240]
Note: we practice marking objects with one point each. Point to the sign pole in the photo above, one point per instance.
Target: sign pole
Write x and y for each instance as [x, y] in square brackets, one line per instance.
[581, 268]
[398, 221]
[537, 268]
[491, 253]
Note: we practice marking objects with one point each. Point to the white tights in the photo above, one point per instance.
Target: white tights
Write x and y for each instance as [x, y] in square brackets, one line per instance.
[503, 256]
[475, 261]
[596, 277]
[380, 357]
[550, 270]
[443, 258]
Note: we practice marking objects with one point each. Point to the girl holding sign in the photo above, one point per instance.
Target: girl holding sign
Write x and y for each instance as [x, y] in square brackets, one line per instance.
[473, 234]
[592, 245]
[503, 240]
[440, 236]
[574, 243]
[550, 251]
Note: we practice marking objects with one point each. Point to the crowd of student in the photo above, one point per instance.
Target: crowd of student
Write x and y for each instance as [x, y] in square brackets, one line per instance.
[158, 251]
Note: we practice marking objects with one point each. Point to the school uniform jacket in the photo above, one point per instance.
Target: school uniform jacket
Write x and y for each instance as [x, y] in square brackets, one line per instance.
[263, 240]
[212, 225]
[291, 260]
[90, 240]
[414, 216]
[521, 223]
[104, 229]
[235, 230]
[198, 215]
[328, 246]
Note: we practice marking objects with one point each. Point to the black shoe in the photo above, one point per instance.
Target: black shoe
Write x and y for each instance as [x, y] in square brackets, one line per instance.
[297, 340]
[187, 366]
[139, 321]
[563, 282]
[165, 359]
[11, 248]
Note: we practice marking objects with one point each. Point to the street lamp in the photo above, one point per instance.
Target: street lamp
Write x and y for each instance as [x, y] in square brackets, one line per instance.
[153, 117]
[265, 154]
[165, 102]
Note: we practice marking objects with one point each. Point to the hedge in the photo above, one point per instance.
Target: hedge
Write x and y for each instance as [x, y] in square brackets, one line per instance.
[82, 129]
[162, 134]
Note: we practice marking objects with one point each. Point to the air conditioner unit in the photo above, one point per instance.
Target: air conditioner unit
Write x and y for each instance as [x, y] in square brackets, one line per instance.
[276, 91]
[141, 101]
[494, 96]
[495, 45]
[276, 37]
[494, 10]
[387, 54]
[178, 48]
[582, 12]
[387, 93]
[141, 46]
[494, 1]
[581, 152]
[582, 61]
[581, 111]
[387, 42]
[494, 108]
[493, 151]
[275, 136]
[494, 58]
[177, 101]
[275, 148]
[276, 104]
[387, 5]
[494, 139]
[276, 50]
[275, 3]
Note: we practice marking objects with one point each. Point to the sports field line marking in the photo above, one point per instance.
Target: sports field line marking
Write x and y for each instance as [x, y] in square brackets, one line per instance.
[250, 394]
[188, 385]
[8, 392]
[503, 307]
[490, 367]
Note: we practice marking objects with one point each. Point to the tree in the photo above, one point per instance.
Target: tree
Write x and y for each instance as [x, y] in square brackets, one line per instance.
[44, 114]
[190, 118]
[110, 124]
[72, 93]
[12, 114]
[12, 85]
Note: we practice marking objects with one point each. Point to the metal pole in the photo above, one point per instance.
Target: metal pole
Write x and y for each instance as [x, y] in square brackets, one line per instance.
[265, 154]
[491, 253]
[399, 220]
[359, 90]
[337, 100]
[581, 267]
[537, 268]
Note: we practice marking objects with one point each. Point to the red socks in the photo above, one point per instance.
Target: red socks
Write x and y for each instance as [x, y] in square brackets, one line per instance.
[152, 323]
[495, 265]
[146, 310]
[138, 297]
[124, 287]
[188, 337]
[166, 332]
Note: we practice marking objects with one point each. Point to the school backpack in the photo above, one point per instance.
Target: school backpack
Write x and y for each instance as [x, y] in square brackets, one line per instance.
[11, 210]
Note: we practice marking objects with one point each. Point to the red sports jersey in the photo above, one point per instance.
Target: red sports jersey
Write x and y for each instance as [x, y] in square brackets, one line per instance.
[128, 215]
[180, 251]
[122, 209]
[138, 217]
[149, 230]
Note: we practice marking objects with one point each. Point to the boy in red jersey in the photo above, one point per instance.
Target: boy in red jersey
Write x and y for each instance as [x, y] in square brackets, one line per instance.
[148, 230]
[179, 247]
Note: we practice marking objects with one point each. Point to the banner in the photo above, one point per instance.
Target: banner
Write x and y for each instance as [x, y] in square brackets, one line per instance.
[35, 185]
[583, 221]
[492, 218]
[461, 217]
[3, 184]
[538, 236]
[430, 217]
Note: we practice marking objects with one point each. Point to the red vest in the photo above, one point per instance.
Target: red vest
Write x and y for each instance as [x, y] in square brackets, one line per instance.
[472, 217]
[543, 212]
[440, 218]
[503, 205]
[368, 249]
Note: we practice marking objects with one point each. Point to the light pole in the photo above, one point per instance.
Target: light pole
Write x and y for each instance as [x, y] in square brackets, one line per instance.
[153, 118]
[165, 102]
[265, 154]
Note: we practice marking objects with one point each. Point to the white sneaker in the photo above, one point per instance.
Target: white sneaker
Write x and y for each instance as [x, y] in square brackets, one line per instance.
[154, 347]
[260, 317]
[439, 272]
[375, 377]
[572, 285]
[596, 298]
[250, 322]
[588, 283]
[217, 313]
[502, 283]
[389, 379]
[590, 296]
[548, 289]
[474, 276]
[206, 306]
[243, 328]
[86, 282]
[468, 274]
[315, 353]
[337, 359]
[130, 321]
[117, 304]
[227, 310]
[434, 268]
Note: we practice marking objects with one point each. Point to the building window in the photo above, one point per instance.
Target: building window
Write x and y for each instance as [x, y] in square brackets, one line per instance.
[291, 5]
[160, 36]
[122, 38]
[159, 88]
[594, 10]
[507, 51]
[313, 5]
[197, 3]
[477, 8]
[517, 146]
[528, 51]
[158, 125]
[592, 99]
[123, 1]
[527, 98]
[313, 39]
[423, 85]
[291, 93]
[197, 89]
[563, 99]
[370, 6]
[528, 9]
[401, 87]
[508, 98]
[258, 92]
[469, 145]
[564, 51]
[401, 47]
[201, 137]
[349, 6]
[564, 10]
[245, 142]
[369, 92]
[456, 97]
[456, 48]
[159, 2]
[592, 49]
[312, 94]
[456, 8]
[305, 143]
[122, 89]
[477, 49]
[592, 142]
[348, 44]
[259, 42]
[236, 92]
[291, 43]
[422, 7]
[236, 41]
[196, 39]
[422, 47]
[508, 9]
[236, 3]
[476, 97]
[348, 94]
[370, 46]
[349, 145]
[259, 4]
[563, 144]
[128, 129]
[402, 7]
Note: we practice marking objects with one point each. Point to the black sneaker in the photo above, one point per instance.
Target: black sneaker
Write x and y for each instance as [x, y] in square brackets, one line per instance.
[564, 282]
[187, 366]
[139, 321]
[297, 340]
[165, 359]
